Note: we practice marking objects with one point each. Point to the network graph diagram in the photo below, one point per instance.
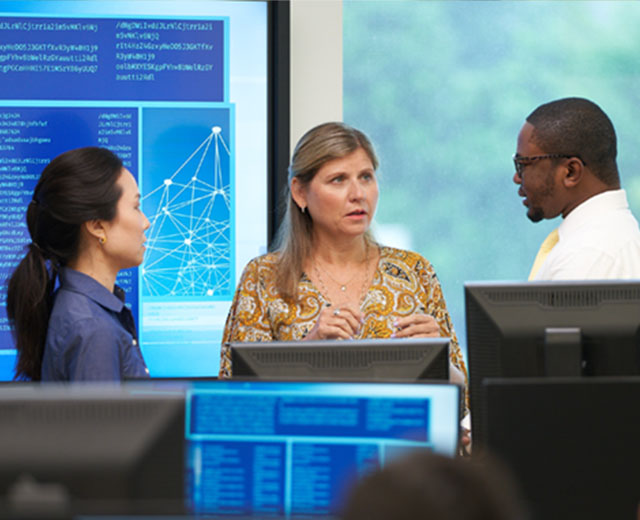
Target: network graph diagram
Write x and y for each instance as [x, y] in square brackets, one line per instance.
[189, 241]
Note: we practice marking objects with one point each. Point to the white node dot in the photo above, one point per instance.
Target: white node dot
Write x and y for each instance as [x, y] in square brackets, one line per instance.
[168, 182]
[216, 129]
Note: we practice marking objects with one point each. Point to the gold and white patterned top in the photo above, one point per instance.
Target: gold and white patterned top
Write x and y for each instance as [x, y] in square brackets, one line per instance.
[403, 283]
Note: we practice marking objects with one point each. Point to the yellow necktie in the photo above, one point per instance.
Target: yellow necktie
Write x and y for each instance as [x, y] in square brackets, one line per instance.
[545, 249]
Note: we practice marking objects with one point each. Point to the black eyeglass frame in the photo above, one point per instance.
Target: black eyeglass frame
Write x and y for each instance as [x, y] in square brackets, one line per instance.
[520, 161]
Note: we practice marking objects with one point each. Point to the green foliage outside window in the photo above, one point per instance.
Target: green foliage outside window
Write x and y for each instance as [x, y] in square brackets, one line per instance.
[443, 87]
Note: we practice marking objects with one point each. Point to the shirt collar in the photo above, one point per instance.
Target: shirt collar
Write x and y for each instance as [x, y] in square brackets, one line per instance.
[591, 209]
[72, 280]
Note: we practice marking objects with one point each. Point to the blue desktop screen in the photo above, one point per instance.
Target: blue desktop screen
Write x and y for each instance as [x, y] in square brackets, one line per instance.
[293, 449]
[179, 91]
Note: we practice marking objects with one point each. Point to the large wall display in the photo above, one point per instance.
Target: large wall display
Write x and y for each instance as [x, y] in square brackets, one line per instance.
[179, 90]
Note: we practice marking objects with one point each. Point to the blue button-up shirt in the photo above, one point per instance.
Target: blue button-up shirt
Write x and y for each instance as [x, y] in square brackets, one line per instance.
[91, 334]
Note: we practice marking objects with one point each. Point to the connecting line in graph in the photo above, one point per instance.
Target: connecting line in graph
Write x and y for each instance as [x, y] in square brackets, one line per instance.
[188, 243]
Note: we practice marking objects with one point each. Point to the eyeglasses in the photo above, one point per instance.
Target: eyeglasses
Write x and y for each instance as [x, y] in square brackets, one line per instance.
[520, 161]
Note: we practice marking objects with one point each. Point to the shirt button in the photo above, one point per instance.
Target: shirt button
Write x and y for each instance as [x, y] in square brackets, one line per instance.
[146, 370]
[134, 342]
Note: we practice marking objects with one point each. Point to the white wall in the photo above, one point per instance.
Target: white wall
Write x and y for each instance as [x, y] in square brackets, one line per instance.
[316, 64]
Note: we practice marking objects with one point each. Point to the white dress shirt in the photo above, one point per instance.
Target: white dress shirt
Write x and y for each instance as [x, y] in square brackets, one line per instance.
[599, 239]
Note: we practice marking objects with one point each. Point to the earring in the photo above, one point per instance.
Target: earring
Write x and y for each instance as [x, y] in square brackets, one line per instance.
[102, 240]
[303, 209]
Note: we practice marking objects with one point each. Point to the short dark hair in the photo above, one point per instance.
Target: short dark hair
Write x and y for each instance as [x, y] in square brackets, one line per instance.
[425, 485]
[577, 126]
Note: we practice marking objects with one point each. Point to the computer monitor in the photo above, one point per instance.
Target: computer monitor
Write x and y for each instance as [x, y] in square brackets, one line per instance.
[87, 449]
[534, 329]
[571, 443]
[398, 359]
[289, 449]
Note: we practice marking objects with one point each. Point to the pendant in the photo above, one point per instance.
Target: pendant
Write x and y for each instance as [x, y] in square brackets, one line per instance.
[343, 288]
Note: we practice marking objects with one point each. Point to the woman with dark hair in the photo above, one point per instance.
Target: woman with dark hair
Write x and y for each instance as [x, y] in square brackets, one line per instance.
[86, 225]
[327, 278]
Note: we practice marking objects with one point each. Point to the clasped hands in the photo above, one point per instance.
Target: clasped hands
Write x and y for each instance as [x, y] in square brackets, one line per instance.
[345, 322]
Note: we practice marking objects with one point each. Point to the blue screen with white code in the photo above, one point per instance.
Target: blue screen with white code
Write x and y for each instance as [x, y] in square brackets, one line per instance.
[179, 91]
[292, 449]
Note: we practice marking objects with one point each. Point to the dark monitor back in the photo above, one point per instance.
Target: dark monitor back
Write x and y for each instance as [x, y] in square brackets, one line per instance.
[550, 329]
[571, 443]
[85, 449]
[363, 360]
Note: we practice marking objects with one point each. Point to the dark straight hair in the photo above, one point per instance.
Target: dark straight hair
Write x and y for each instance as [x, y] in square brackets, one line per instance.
[74, 188]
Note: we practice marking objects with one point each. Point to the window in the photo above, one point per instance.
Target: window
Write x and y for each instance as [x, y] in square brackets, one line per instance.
[443, 87]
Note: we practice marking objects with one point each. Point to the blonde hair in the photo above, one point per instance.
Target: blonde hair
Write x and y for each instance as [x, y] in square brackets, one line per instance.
[318, 146]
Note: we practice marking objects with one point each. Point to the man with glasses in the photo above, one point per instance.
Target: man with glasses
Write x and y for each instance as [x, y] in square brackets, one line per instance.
[566, 165]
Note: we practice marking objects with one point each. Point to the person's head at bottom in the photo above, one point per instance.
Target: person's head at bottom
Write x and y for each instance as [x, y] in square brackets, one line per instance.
[424, 485]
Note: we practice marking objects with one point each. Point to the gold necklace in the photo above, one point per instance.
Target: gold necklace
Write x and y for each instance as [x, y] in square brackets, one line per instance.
[343, 287]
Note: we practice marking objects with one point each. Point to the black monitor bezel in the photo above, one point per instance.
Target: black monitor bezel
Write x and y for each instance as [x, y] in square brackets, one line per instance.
[438, 368]
[564, 439]
[569, 304]
[91, 448]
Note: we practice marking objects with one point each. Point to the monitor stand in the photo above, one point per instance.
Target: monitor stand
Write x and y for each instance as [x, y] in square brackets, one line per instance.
[563, 352]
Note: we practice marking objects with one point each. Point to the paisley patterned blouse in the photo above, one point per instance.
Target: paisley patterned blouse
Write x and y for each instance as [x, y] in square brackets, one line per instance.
[404, 283]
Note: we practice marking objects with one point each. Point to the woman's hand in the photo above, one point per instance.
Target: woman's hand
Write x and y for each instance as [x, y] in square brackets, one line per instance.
[465, 436]
[417, 326]
[336, 323]
[465, 442]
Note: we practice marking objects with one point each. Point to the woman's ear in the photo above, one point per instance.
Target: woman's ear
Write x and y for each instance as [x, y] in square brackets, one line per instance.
[96, 229]
[298, 194]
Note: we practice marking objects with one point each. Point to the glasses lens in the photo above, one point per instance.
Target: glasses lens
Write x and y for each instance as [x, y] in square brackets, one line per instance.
[517, 165]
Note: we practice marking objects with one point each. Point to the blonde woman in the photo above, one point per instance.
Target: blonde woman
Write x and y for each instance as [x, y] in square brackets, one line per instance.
[327, 278]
